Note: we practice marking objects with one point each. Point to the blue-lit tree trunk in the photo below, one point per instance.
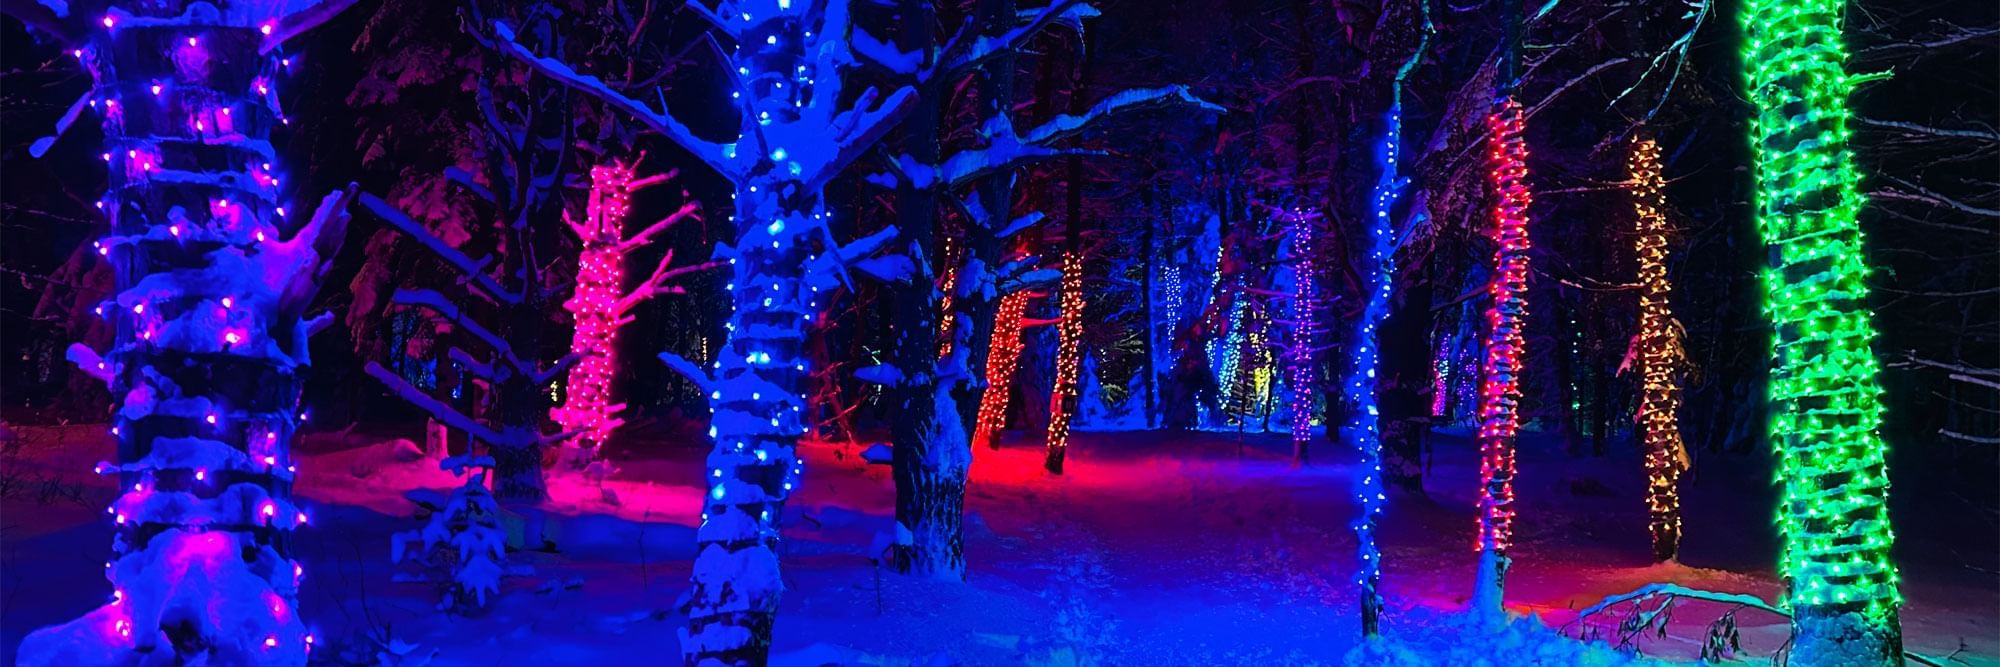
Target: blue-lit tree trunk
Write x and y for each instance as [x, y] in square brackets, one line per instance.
[213, 280]
[797, 129]
[1378, 277]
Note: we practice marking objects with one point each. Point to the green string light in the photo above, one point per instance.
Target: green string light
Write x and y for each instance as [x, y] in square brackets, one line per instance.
[1825, 398]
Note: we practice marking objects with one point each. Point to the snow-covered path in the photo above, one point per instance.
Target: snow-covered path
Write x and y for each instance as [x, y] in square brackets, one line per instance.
[1156, 548]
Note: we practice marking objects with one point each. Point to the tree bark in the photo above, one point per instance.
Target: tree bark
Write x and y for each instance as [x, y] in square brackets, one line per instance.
[930, 455]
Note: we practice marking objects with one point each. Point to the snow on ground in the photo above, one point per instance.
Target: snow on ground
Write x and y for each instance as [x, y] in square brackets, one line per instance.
[1156, 548]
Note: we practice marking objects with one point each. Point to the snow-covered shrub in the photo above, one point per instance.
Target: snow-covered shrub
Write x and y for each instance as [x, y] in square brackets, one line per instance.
[462, 548]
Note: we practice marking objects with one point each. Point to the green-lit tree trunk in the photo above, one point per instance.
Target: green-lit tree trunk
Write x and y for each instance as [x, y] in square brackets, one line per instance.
[1825, 400]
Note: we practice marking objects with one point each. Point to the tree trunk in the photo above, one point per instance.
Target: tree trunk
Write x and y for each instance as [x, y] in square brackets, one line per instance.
[210, 293]
[1824, 387]
[930, 454]
[982, 248]
[1659, 355]
[1499, 407]
[1069, 341]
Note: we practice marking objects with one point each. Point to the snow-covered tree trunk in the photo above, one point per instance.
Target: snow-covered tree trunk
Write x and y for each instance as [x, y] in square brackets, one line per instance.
[213, 280]
[1500, 395]
[797, 130]
[931, 454]
[1826, 410]
[985, 311]
[1658, 351]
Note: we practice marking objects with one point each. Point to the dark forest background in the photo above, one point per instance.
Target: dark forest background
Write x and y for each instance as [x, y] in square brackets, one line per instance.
[381, 98]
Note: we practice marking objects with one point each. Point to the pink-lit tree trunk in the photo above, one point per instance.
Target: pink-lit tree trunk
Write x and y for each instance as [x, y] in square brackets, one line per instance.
[602, 305]
[1499, 397]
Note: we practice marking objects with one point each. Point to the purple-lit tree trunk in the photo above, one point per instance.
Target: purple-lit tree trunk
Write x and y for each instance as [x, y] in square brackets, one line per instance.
[797, 129]
[213, 280]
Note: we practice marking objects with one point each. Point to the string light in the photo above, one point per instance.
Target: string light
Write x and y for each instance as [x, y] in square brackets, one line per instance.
[1299, 380]
[1069, 360]
[1825, 398]
[1003, 357]
[166, 471]
[1364, 431]
[600, 280]
[1659, 352]
[1499, 396]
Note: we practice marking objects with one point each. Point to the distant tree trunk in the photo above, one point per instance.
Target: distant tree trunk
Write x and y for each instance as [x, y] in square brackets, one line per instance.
[1146, 263]
[1406, 371]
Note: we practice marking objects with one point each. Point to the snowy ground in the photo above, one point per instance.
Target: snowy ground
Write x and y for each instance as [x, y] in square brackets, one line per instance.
[1156, 549]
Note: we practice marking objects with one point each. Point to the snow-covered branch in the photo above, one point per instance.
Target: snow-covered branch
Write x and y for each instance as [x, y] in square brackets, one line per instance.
[473, 270]
[561, 366]
[464, 179]
[1676, 590]
[960, 53]
[436, 302]
[687, 369]
[437, 409]
[472, 366]
[300, 21]
[708, 152]
[688, 210]
[859, 127]
[659, 283]
[1007, 149]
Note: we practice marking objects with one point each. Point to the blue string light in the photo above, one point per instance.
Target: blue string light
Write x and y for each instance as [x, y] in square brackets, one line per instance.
[1364, 429]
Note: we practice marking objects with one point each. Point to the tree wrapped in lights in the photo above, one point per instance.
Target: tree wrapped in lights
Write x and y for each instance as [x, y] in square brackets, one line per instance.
[1300, 383]
[1500, 393]
[1826, 408]
[1658, 351]
[930, 379]
[1002, 358]
[1069, 358]
[207, 362]
[498, 307]
[601, 303]
[798, 126]
[1378, 281]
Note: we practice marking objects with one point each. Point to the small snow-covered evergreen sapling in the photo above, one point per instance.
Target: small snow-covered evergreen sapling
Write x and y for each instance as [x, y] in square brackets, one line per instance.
[461, 548]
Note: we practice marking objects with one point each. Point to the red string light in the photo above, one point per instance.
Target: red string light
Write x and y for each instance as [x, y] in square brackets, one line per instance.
[1003, 358]
[1069, 360]
[1499, 417]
